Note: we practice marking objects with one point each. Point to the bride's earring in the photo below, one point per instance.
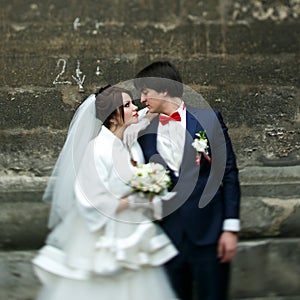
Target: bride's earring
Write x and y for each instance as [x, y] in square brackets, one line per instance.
[115, 124]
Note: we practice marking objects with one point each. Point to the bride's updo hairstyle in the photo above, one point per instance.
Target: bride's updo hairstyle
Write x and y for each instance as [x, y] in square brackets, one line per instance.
[109, 104]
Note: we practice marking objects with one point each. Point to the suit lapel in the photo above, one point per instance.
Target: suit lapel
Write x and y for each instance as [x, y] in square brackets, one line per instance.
[191, 123]
[191, 126]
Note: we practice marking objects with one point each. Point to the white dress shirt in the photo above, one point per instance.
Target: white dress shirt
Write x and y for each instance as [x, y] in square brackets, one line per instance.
[171, 139]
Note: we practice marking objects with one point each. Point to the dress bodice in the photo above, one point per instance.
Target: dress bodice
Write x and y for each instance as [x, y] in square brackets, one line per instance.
[103, 177]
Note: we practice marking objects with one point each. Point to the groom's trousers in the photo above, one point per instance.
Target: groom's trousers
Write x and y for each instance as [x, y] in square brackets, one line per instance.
[196, 273]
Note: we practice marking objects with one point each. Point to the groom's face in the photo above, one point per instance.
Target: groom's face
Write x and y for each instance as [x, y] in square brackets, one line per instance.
[152, 99]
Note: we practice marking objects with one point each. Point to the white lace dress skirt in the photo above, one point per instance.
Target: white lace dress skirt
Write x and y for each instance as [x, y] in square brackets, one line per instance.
[120, 261]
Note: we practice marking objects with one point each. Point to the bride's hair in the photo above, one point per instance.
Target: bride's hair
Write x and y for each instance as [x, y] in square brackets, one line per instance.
[109, 103]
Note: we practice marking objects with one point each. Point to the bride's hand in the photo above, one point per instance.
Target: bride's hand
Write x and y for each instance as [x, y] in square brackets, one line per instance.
[134, 201]
[139, 200]
[123, 204]
[131, 132]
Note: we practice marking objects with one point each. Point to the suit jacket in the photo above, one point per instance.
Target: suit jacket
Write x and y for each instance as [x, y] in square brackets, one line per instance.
[208, 193]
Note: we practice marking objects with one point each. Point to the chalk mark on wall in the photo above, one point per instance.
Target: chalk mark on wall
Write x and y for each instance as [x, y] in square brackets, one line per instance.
[62, 62]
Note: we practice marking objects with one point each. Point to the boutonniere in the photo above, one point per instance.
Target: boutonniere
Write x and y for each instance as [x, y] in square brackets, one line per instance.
[201, 145]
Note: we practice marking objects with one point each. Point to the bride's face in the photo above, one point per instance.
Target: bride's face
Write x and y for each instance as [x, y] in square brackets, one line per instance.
[130, 110]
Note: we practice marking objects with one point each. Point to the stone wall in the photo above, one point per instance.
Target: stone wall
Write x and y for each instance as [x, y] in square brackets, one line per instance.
[242, 56]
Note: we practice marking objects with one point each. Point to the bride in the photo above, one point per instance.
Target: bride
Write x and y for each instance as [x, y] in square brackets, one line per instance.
[103, 243]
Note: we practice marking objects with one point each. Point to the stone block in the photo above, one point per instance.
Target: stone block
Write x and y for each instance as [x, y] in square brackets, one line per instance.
[260, 175]
[36, 71]
[270, 203]
[17, 278]
[156, 38]
[28, 107]
[25, 225]
[220, 71]
[30, 152]
[269, 217]
[54, 41]
[264, 38]
[45, 72]
[21, 188]
[271, 182]
[104, 11]
[216, 72]
[267, 268]
[275, 146]
[254, 106]
[176, 41]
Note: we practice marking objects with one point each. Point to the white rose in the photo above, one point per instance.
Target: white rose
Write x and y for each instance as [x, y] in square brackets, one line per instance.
[200, 145]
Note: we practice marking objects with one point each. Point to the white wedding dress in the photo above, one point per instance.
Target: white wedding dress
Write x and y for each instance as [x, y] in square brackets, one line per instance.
[95, 253]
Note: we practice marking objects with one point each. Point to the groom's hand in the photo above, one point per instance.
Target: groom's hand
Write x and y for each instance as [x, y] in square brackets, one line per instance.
[227, 246]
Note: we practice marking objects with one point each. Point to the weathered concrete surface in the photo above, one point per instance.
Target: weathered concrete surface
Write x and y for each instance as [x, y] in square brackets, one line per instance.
[271, 181]
[262, 270]
[29, 152]
[242, 56]
[23, 225]
[21, 188]
[17, 279]
[267, 268]
[270, 217]
[28, 108]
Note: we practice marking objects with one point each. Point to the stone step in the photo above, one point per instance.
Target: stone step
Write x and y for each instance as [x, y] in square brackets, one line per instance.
[269, 217]
[17, 280]
[270, 206]
[21, 188]
[272, 182]
[24, 224]
[267, 268]
[262, 270]
[272, 190]
[258, 174]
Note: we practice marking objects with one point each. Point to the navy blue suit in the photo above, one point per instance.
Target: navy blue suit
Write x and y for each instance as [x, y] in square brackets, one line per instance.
[215, 186]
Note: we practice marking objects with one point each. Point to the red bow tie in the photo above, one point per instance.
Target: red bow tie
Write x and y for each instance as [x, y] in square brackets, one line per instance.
[165, 119]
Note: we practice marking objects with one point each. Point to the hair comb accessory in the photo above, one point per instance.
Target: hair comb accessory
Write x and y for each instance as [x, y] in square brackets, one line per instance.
[103, 89]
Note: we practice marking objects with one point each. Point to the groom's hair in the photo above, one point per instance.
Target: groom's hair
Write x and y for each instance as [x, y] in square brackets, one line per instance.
[160, 76]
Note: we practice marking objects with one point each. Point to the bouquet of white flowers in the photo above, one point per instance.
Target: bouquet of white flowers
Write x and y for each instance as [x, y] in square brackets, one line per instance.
[151, 178]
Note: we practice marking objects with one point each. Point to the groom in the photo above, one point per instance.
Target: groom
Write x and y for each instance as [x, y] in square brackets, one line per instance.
[202, 220]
